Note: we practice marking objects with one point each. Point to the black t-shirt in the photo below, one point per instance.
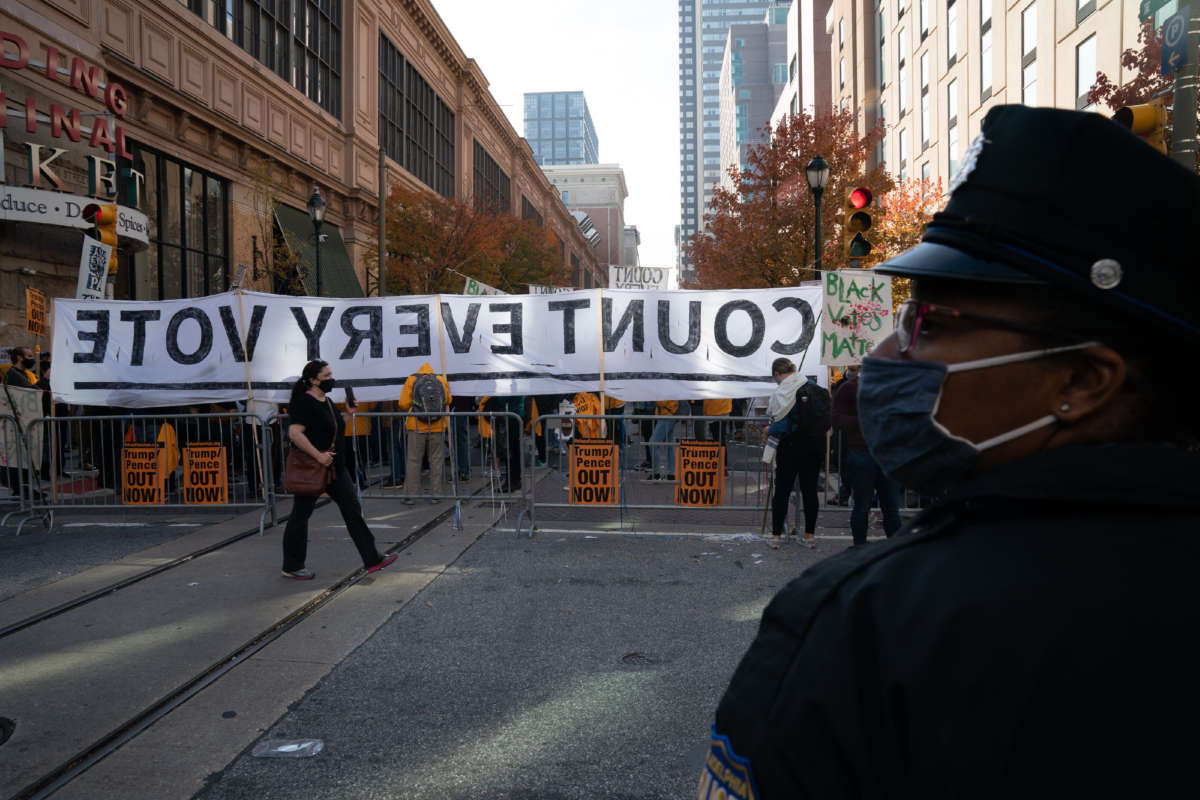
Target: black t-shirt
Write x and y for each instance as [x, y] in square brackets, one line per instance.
[318, 419]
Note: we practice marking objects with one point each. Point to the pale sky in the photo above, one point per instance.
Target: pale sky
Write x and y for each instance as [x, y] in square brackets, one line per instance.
[622, 55]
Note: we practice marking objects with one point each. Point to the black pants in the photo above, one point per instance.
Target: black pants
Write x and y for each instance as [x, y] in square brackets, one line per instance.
[508, 449]
[295, 536]
[796, 460]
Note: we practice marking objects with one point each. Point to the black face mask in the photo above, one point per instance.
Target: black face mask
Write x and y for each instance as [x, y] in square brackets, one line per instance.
[28, 363]
[327, 385]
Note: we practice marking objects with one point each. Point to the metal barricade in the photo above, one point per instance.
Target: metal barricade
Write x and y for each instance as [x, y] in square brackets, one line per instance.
[389, 459]
[18, 474]
[153, 460]
[496, 451]
[646, 468]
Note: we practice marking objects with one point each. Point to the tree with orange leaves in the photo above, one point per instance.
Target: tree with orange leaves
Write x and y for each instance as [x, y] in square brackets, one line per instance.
[1147, 81]
[761, 233]
[432, 241]
[907, 210]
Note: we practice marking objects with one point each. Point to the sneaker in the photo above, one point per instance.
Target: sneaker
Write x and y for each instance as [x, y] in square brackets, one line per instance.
[408, 501]
[399, 485]
[537, 462]
[301, 574]
[809, 541]
[464, 477]
[433, 501]
[383, 562]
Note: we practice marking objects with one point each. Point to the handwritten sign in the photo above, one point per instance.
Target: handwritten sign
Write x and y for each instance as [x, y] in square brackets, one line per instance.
[594, 473]
[701, 470]
[143, 470]
[93, 270]
[856, 315]
[204, 479]
[35, 311]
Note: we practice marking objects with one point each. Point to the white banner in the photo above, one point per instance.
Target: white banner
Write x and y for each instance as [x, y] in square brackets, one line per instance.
[633, 345]
[640, 278]
[857, 315]
[93, 269]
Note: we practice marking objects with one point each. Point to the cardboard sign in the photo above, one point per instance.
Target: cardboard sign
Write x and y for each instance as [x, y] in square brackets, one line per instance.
[143, 470]
[594, 472]
[93, 269]
[857, 315]
[35, 311]
[204, 478]
[701, 470]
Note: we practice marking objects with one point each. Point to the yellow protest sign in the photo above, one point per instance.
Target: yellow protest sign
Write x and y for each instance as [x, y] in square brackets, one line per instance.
[35, 311]
[594, 472]
[701, 470]
[142, 474]
[204, 477]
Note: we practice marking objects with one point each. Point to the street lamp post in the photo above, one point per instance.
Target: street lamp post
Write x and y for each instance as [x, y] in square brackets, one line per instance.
[316, 211]
[817, 173]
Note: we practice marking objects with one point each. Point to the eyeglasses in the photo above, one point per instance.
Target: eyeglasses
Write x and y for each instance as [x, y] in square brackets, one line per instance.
[912, 315]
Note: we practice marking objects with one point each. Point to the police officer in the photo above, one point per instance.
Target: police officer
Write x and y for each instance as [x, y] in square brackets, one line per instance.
[1034, 633]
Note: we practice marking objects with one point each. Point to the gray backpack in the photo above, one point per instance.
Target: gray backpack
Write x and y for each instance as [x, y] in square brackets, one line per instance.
[428, 394]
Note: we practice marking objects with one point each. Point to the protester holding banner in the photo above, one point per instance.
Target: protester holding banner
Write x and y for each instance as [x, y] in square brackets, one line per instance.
[660, 440]
[19, 373]
[428, 394]
[316, 427]
[800, 414]
[1033, 633]
[859, 469]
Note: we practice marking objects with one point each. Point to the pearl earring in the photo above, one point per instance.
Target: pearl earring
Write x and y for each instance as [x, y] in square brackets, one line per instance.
[1065, 407]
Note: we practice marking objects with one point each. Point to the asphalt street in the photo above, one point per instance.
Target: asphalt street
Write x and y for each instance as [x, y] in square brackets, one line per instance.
[574, 665]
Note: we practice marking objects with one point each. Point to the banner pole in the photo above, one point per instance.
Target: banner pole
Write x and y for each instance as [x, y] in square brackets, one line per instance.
[600, 344]
[258, 454]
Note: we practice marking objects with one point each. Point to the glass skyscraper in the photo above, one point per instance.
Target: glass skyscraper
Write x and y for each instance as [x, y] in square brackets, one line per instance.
[559, 128]
[703, 28]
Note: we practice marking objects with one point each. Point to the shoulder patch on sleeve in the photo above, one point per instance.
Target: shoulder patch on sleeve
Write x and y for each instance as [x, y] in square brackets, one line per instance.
[726, 775]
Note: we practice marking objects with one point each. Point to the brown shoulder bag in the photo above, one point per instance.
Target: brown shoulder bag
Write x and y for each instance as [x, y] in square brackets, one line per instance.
[303, 474]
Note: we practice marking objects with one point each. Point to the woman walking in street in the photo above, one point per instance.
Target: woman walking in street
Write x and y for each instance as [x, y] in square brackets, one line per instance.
[316, 428]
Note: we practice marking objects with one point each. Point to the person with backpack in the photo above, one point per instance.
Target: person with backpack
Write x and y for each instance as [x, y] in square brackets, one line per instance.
[425, 393]
[801, 415]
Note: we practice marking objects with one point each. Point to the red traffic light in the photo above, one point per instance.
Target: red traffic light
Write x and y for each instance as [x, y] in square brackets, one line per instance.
[860, 197]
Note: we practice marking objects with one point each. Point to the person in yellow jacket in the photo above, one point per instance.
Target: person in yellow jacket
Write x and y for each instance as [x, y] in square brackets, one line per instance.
[716, 429]
[357, 431]
[425, 393]
[19, 372]
[587, 403]
[660, 448]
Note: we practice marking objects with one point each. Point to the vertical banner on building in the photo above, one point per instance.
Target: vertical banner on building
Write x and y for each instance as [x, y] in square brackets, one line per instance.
[701, 470]
[856, 315]
[36, 323]
[143, 471]
[93, 270]
[204, 477]
[594, 473]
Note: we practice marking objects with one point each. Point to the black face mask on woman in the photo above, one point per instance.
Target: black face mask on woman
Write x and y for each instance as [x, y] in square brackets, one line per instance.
[327, 385]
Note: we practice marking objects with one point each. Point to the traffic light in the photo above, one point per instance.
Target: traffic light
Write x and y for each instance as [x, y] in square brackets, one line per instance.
[103, 217]
[856, 221]
[1148, 120]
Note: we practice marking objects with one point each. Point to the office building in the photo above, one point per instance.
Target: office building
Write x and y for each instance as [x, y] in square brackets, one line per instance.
[558, 126]
[703, 27]
[599, 191]
[931, 69]
[753, 74]
[808, 86]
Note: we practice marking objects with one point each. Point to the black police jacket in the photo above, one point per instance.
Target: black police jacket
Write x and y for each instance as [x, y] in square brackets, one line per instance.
[1033, 635]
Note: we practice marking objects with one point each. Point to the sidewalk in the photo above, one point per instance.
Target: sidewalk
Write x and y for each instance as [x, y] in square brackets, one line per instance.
[72, 679]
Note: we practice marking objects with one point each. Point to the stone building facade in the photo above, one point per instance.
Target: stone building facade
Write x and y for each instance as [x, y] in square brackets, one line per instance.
[210, 123]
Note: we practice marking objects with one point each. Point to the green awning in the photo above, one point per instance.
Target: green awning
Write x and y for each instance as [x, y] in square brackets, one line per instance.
[338, 278]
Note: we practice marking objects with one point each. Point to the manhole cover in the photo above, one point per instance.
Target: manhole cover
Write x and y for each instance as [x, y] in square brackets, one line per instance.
[7, 726]
[638, 658]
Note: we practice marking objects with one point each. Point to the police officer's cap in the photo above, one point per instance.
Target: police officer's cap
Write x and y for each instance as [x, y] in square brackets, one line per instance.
[1075, 201]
